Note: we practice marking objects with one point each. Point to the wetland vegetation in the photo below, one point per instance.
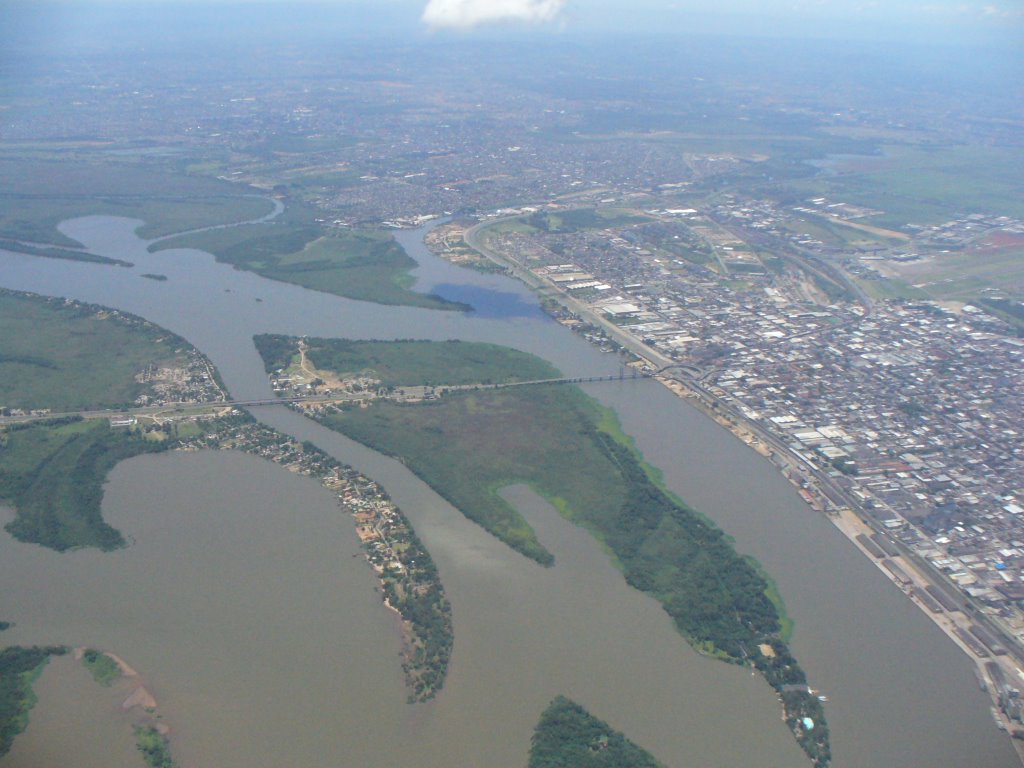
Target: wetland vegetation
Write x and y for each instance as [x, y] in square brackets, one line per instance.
[469, 445]
[41, 191]
[68, 356]
[358, 264]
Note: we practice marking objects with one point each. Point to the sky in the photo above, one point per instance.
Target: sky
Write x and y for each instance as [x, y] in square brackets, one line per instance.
[940, 21]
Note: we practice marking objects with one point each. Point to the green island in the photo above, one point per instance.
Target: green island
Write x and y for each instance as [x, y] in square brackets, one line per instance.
[407, 362]
[568, 735]
[154, 746]
[52, 470]
[152, 276]
[571, 450]
[53, 474]
[104, 669]
[54, 252]
[358, 264]
[67, 356]
[19, 668]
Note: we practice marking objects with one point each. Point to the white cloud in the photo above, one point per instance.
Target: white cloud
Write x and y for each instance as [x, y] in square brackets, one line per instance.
[469, 13]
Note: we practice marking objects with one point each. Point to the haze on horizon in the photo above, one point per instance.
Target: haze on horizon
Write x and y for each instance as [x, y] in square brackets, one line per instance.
[995, 22]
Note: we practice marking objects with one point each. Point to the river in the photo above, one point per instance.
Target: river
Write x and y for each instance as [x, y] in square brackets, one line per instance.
[265, 643]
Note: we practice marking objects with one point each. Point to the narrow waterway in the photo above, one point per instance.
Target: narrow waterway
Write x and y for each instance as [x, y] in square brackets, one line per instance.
[262, 662]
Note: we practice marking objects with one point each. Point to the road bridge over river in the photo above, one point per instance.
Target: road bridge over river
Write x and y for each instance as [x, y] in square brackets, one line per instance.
[181, 410]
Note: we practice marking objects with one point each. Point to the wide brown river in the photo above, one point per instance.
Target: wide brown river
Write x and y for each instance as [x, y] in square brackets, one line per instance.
[244, 603]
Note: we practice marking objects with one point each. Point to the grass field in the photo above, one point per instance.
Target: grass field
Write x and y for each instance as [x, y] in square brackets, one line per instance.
[965, 275]
[409, 363]
[75, 357]
[927, 185]
[363, 265]
[583, 218]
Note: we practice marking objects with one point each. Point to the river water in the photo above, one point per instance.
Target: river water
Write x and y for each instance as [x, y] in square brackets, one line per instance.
[265, 643]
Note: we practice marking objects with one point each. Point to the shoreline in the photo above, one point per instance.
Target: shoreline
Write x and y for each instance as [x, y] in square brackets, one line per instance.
[905, 572]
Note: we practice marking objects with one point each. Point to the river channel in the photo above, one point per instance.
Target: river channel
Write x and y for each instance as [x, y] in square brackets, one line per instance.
[243, 600]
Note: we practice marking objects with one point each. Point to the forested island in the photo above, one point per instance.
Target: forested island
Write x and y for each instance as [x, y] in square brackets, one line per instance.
[52, 472]
[468, 444]
[19, 667]
[568, 736]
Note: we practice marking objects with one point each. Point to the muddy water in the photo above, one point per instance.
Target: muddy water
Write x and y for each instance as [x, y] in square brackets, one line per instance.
[267, 646]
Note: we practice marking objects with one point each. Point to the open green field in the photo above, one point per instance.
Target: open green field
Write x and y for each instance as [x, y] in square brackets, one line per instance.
[890, 288]
[409, 363]
[967, 274]
[363, 265]
[568, 735]
[37, 194]
[69, 356]
[53, 475]
[926, 185]
[832, 233]
[582, 218]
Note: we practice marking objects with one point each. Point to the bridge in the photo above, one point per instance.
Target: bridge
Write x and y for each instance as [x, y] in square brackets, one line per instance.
[169, 409]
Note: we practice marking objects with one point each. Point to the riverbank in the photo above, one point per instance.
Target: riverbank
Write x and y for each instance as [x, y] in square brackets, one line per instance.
[906, 571]
[406, 574]
[561, 443]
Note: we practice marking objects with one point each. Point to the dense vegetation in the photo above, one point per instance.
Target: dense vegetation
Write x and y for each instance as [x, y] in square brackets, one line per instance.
[417, 594]
[468, 445]
[554, 438]
[154, 746]
[53, 252]
[67, 356]
[568, 736]
[104, 669]
[39, 192]
[364, 265]
[53, 474]
[18, 669]
[410, 363]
